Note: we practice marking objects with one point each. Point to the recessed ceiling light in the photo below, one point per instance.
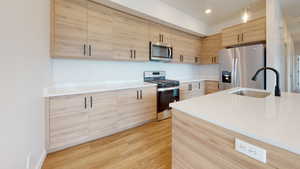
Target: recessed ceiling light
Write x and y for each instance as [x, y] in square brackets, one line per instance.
[208, 11]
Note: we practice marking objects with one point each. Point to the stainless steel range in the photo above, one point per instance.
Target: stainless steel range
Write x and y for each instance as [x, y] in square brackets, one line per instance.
[167, 92]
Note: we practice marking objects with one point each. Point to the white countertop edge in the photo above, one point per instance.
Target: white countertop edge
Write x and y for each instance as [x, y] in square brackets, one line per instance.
[245, 133]
[196, 80]
[48, 94]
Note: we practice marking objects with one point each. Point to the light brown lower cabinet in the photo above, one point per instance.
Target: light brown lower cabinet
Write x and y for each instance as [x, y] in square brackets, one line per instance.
[211, 86]
[198, 144]
[191, 89]
[80, 118]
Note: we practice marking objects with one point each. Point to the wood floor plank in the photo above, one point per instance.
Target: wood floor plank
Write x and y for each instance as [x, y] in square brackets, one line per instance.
[145, 147]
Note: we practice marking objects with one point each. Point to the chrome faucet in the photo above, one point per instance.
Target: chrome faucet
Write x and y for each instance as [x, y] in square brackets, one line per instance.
[277, 88]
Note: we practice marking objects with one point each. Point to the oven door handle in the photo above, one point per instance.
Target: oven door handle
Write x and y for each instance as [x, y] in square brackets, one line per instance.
[170, 53]
[167, 89]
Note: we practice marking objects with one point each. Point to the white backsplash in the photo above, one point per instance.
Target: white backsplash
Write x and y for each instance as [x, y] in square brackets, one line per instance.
[70, 72]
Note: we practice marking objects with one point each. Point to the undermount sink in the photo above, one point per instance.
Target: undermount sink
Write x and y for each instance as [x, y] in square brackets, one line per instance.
[252, 93]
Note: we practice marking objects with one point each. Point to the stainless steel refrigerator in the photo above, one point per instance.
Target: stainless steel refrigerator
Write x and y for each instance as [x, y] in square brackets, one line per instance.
[238, 65]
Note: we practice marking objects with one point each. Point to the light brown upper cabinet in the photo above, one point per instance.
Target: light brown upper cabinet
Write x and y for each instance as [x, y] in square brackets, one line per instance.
[254, 31]
[250, 32]
[100, 31]
[131, 38]
[210, 49]
[89, 30]
[160, 34]
[69, 29]
[186, 48]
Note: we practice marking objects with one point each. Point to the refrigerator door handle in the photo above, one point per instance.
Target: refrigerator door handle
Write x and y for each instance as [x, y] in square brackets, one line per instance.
[233, 70]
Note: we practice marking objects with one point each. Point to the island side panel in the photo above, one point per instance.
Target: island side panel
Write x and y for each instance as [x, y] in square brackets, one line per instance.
[197, 144]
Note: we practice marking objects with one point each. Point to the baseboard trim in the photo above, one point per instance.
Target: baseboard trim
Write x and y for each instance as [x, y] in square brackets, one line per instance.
[40, 163]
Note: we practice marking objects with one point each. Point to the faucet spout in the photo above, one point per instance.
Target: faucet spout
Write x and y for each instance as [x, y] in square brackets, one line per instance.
[277, 88]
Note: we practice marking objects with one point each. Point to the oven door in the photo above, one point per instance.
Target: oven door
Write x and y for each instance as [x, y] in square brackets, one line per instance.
[164, 98]
[160, 52]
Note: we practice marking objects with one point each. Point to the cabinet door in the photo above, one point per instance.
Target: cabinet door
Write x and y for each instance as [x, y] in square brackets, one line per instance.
[186, 91]
[191, 49]
[148, 105]
[134, 110]
[100, 22]
[161, 34]
[103, 116]
[232, 36]
[211, 46]
[198, 89]
[178, 46]
[69, 29]
[167, 36]
[211, 87]
[123, 36]
[141, 39]
[254, 31]
[68, 121]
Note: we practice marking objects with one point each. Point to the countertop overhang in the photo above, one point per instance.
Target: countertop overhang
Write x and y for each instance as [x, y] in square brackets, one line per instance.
[273, 120]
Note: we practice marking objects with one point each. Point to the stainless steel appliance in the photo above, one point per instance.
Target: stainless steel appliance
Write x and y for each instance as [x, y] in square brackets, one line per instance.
[161, 52]
[167, 92]
[238, 65]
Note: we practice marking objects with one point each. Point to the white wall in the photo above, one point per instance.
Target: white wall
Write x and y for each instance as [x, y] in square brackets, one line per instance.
[67, 72]
[24, 45]
[161, 12]
[275, 43]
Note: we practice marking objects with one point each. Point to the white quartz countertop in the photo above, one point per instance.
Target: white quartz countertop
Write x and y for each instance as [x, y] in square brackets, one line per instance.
[273, 120]
[93, 88]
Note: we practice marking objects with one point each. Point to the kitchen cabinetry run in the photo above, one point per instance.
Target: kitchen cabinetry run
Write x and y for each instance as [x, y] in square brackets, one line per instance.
[211, 86]
[77, 119]
[89, 30]
[251, 32]
[191, 89]
[210, 49]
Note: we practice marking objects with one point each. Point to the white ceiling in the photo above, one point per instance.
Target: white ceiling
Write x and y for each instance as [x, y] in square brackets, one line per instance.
[291, 10]
[221, 9]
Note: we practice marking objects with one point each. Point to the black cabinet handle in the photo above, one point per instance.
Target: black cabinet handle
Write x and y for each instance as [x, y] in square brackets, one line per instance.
[91, 99]
[85, 106]
[137, 95]
[242, 37]
[84, 49]
[199, 85]
[141, 94]
[134, 54]
[90, 50]
[131, 54]
[162, 37]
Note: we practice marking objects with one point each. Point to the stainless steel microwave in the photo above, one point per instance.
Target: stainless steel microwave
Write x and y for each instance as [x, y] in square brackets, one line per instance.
[161, 52]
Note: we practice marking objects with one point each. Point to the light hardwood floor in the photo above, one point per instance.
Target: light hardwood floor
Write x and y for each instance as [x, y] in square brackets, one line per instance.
[145, 147]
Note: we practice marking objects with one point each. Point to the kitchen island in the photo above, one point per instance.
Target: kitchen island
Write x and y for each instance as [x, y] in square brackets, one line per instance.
[205, 130]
